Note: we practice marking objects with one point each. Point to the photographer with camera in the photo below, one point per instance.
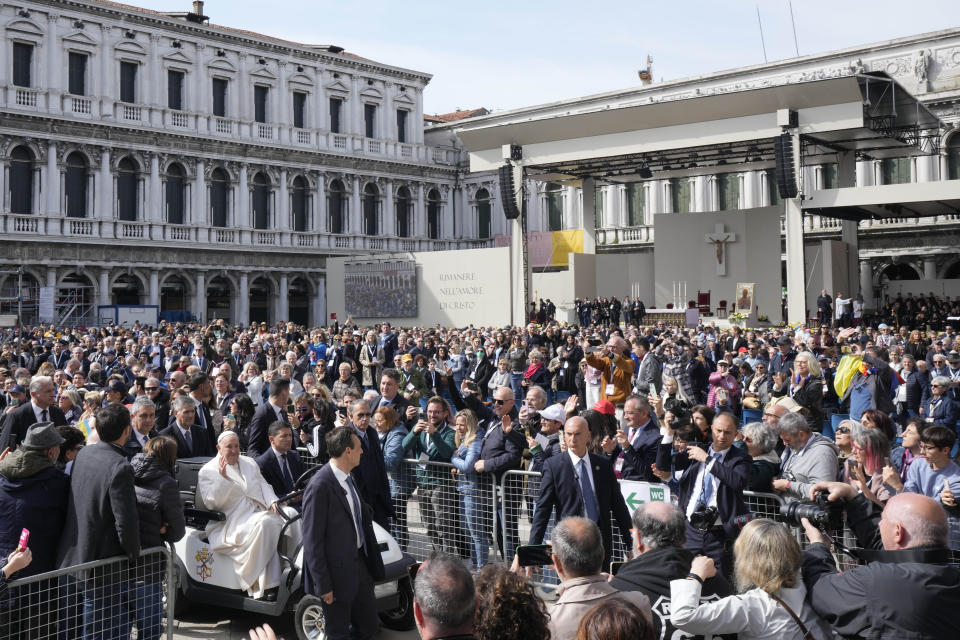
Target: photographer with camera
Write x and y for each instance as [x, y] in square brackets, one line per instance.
[807, 459]
[616, 369]
[907, 590]
[711, 489]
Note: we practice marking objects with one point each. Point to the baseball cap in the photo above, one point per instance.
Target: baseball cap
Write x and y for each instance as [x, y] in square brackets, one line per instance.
[605, 406]
[554, 412]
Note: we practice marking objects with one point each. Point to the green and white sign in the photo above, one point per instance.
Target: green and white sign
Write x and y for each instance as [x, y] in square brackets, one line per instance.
[635, 493]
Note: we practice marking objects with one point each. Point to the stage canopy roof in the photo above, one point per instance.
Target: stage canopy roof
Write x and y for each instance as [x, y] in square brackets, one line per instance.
[869, 114]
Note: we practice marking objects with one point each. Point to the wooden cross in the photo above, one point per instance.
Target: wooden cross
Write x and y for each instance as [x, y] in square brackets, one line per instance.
[719, 238]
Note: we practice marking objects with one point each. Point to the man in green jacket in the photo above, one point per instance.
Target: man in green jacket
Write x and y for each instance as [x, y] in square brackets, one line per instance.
[433, 440]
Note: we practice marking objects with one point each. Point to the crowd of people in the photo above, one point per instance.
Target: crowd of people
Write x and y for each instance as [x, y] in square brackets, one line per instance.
[94, 420]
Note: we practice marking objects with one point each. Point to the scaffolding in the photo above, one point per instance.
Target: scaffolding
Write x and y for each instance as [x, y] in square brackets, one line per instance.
[73, 305]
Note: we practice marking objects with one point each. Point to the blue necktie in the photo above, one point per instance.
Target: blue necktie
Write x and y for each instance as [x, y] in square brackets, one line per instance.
[357, 520]
[188, 438]
[708, 480]
[286, 472]
[590, 505]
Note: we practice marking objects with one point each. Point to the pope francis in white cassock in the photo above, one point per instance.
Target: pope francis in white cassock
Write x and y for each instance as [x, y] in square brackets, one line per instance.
[232, 483]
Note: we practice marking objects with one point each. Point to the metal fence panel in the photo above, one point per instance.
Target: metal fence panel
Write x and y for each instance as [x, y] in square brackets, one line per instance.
[105, 599]
[437, 508]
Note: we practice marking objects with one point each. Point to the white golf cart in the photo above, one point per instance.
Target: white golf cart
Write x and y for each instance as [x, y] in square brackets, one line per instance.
[206, 577]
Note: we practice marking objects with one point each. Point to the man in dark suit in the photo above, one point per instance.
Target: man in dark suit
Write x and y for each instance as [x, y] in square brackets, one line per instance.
[41, 408]
[579, 483]
[390, 396]
[273, 410]
[634, 448]
[280, 465]
[102, 522]
[711, 489]
[201, 390]
[501, 451]
[341, 569]
[371, 474]
[191, 437]
[144, 419]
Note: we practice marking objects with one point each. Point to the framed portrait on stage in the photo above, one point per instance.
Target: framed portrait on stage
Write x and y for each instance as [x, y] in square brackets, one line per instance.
[744, 298]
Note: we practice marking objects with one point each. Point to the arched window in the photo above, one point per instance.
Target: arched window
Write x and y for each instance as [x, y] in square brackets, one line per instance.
[298, 204]
[219, 189]
[128, 178]
[483, 214]
[371, 201]
[953, 157]
[261, 201]
[433, 214]
[21, 180]
[76, 185]
[176, 197]
[336, 206]
[554, 198]
[403, 204]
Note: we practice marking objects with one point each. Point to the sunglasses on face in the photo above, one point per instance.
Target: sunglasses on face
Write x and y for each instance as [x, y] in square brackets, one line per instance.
[498, 401]
[843, 430]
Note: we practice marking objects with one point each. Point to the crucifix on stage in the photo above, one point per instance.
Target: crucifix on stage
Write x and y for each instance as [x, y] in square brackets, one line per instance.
[719, 238]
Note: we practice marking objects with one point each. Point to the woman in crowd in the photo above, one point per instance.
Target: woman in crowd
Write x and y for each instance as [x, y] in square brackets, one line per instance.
[456, 365]
[902, 457]
[842, 440]
[702, 417]
[672, 397]
[254, 382]
[508, 607]
[71, 405]
[535, 375]
[73, 440]
[615, 619]
[761, 441]
[239, 417]
[756, 388]
[876, 419]
[273, 360]
[767, 572]
[805, 386]
[517, 364]
[580, 380]
[864, 468]
[684, 435]
[468, 441]
[400, 476]
[500, 378]
[942, 408]
[92, 401]
[724, 391]
[161, 521]
[917, 346]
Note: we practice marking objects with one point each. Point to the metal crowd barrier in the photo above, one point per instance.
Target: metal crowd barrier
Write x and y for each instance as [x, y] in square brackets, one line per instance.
[104, 599]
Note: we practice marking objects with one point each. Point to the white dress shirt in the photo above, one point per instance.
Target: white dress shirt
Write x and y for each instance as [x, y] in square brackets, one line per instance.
[586, 463]
[698, 485]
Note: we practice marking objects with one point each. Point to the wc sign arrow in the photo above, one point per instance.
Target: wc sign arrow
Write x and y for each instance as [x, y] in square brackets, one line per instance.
[636, 493]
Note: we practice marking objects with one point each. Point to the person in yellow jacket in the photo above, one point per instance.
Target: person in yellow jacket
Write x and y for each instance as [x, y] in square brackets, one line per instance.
[616, 369]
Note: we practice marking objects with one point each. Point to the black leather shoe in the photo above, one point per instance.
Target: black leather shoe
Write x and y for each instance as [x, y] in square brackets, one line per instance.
[270, 595]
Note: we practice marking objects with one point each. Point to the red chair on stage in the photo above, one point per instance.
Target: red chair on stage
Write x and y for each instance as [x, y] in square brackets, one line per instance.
[703, 303]
[669, 305]
[722, 309]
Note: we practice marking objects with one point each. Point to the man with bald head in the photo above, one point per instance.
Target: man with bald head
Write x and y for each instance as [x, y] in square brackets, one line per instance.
[907, 590]
[659, 534]
[581, 483]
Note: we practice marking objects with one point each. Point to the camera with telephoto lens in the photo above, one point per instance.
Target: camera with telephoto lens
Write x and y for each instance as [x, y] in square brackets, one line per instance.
[821, 513]
[704, 518]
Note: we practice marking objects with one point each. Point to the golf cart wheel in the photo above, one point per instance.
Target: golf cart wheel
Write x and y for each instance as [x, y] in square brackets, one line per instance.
[309, 620]
[401, 618]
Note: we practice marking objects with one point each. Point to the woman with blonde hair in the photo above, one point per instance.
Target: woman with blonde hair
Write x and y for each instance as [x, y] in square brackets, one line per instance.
[771, 603]
[92, 401]
[806, 388]
[468, 441]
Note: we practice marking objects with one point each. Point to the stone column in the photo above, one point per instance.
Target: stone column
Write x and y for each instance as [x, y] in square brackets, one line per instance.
[243, 300]
[589, 195]
[283, 299]
[155, 199]
[389, 227]
[420, 215]
[864, 173]
[51, 276]
[108, 77]
[929, 269]
[104, 286]
[105, 189]
[155, 287]
[55, 87]
[282, 220]
[239, 109]
[243, 200]
[53, 181]
[198, 213]
[354, 220]
[750, 189]
[318, 307]
[866, 284]
[320, 206]
[200, 297]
